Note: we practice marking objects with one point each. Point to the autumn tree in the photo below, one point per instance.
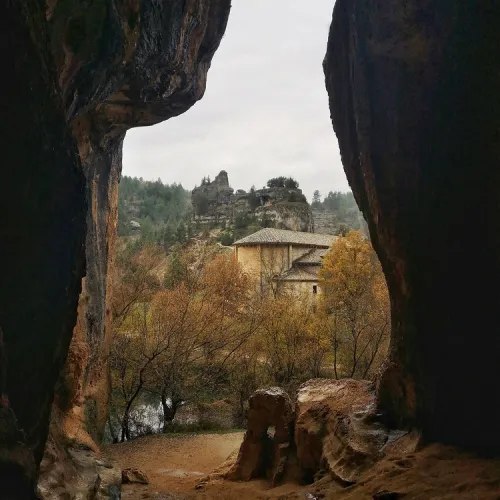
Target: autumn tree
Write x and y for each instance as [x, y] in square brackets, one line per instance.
[286, 340]
[356, 302]
[212, 322]
[135, 278]
[175, 343]
[134, 349]
[246, 374]
[274, 262]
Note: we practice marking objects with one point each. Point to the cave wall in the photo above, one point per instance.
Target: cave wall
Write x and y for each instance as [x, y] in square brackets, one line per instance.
[42, 231]
[120, 65]
[83, 73]
[415, 103]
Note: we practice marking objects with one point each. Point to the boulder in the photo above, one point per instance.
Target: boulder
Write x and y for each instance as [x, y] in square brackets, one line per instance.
[262, 454]
[134, 475]
[77, 473]
[336, 428]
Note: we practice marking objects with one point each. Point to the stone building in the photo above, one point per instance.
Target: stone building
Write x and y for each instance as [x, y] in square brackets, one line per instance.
[281, 260]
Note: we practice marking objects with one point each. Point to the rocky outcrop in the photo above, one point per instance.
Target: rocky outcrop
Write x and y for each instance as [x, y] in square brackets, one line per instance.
[213, 198]
[280, 207]
[333, 223]
[262, 454]
[291, 216]
[334, 429]
[83, 73]
[415, 105]
[77, 473]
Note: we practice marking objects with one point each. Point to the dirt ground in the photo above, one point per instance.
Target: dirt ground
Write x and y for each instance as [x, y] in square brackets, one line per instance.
[173, 463]
[176, 464]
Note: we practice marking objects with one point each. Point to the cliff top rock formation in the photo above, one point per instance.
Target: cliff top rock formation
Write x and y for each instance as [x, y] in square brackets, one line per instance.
[332, 428]
[282, 207]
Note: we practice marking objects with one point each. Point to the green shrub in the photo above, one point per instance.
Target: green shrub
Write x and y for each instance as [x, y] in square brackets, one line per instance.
[225, 238]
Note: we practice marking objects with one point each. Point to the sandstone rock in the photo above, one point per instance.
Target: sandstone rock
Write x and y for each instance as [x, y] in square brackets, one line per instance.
[282, 208]
[262, 455]
[83, 73]
[336, 428]
[387, 495]
[81, 475]
[413, 98]
[134, 475]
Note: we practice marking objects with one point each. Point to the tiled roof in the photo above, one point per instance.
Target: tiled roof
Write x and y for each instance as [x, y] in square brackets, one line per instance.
[314, 256]
[297, 274]
[269, 235]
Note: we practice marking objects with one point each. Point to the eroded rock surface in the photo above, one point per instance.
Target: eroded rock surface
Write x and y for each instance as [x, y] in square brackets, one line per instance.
[333, 428]
[82, 74]
[76, 474]
[336, 428]
[414, 101]
[262, 454]
[279, 207]
[134, 475]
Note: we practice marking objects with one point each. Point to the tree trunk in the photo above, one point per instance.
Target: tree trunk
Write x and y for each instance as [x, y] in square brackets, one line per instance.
[112, 432]
[126, 425]
[169, 412]
[335, 346]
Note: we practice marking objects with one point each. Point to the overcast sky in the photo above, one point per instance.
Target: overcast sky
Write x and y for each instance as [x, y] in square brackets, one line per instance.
[265, 111]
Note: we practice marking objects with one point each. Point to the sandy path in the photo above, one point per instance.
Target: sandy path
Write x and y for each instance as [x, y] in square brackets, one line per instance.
[174, 464]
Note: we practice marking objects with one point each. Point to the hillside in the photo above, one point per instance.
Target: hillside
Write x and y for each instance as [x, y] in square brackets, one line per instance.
[153, 212]
[281, 205]
[336, 213]
[156, 212]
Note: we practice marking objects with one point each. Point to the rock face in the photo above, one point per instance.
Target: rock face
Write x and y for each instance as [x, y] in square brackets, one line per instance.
[262, 455]
[331, 223]
[81, 474]
[214, 198]
[415, 104]
[333, 428]
[336, 428]
[82, 74]
[291, 216]
[283, 208]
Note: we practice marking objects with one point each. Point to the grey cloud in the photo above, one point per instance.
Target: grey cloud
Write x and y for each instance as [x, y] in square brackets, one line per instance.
[265, 112]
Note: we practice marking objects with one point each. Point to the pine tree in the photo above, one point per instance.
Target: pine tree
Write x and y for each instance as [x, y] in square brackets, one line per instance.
[316, 197]
[181, 233]
[168, 237]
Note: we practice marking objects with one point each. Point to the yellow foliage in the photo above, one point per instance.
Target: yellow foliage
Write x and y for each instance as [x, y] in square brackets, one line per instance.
[355, 300]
